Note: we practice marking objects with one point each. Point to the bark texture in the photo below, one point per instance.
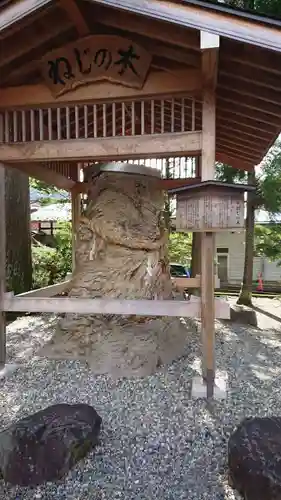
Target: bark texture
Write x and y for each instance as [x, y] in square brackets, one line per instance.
[121, 252]
[18, 238]
[245, 296]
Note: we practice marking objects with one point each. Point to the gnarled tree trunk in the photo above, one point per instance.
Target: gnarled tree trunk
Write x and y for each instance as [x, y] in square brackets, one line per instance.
[121, 253]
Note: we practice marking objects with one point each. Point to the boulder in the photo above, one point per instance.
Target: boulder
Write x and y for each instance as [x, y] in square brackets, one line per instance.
[254, 459]
[44, 446]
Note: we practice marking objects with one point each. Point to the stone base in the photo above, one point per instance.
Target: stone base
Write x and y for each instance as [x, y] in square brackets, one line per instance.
[199, 387]
[8, 370]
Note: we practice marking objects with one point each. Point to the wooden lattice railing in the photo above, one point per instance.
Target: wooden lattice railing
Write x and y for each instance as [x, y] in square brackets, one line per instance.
[145, 117]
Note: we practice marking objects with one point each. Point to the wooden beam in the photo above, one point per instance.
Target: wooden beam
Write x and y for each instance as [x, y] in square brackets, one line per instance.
[239, 129]
[45, 174]
[16, 17]
[184, 82]
[239, 109]
[234, 162]
[250, 75]
[250, 101]
[209, 77]
[174, 35]
[248, 31]
[46, 291]
[231, 117]
[242, 145]
[15, 47]
[171, 308]
[75, 217]
[252, 89]
[235, 153]
[76, 17]
[122, 147]
[184, 283]
[165, 184]
[2, 268]
[260, 59]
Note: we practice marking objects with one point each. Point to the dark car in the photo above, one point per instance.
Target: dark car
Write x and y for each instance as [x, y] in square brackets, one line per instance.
[178, 271]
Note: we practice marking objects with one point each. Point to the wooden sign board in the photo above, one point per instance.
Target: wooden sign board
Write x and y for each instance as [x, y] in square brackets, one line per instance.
[94, 58]
[210, 212]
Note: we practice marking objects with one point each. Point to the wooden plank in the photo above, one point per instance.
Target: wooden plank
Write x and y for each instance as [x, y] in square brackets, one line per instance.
[47, 291]
[38, 171]
[238, 152]
[208, 309]
[209, 76]
[187, 282]
[262, 60]
[2, 268]
[247, 113]
[162, 84]
[16, 15]
[15, 47]
[234, 162]
[175, 35]
[186, 143]
[99, 60]
[253, 88]
[74, 14]
[249, 123]
[242, 145]
[250, 101]
[171, 308]
[248, 74]
[248, 31]
[75, 217]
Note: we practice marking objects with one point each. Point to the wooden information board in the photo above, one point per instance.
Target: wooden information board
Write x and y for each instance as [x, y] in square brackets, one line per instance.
[210, 212]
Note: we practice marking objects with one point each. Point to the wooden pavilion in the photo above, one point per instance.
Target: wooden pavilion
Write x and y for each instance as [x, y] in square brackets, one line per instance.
[83, 81]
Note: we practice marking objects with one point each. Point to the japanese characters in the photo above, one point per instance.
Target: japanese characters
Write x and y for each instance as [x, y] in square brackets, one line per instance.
[98, 57]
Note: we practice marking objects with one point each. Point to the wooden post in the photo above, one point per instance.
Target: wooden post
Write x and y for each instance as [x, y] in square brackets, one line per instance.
[2, 268]
[75, 215]
[209, 47]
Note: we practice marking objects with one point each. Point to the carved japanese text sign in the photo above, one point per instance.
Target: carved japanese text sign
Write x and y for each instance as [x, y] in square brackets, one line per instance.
[97, 57]
[210, 213]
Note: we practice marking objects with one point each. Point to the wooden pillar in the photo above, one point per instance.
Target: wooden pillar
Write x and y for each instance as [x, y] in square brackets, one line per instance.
[209, 47]
[2, 268]
[75, 215]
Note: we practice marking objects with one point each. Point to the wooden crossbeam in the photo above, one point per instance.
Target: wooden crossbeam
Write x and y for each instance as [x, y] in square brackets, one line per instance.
[170, 308]
[75, 16]
[122, 147]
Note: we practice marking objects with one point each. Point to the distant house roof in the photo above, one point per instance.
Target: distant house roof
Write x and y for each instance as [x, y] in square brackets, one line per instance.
[54, 212]
[263, 217]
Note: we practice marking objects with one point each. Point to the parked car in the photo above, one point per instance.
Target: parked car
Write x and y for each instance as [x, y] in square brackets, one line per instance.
[178, 271]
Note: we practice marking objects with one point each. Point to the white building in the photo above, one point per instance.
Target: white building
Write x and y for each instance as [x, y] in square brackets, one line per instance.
[230, 251]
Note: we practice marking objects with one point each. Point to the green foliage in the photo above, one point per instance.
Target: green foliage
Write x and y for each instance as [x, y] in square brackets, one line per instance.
[230, 175]
[50, 265]
[49, 193]
[267, 7]
[180, 245]
[269, 183]
[268, 241]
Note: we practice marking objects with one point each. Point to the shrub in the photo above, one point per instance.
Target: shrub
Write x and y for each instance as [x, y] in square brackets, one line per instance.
[50, 265]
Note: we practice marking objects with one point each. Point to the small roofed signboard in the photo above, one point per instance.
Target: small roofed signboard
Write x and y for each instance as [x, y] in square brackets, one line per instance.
[94, 58]
[210, 206]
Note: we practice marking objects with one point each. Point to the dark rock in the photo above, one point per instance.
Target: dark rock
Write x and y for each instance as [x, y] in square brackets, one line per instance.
[254, 459]
[45, 445]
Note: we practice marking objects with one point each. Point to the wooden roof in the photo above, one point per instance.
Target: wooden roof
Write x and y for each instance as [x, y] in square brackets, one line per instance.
[249, 74]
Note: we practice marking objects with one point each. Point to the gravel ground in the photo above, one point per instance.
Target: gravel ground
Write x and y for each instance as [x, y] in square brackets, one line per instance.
[156, 442]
